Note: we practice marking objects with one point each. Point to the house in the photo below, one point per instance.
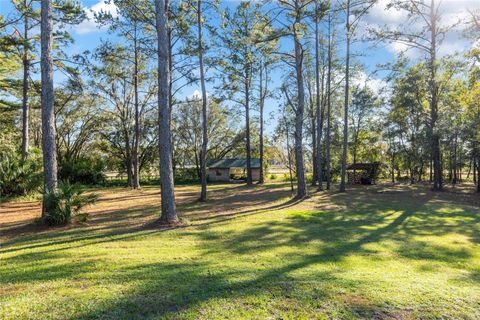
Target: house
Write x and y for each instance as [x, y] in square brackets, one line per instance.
[363, 173]
[226, 170]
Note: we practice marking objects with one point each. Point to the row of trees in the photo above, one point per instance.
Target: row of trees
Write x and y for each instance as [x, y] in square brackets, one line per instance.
[124, 101]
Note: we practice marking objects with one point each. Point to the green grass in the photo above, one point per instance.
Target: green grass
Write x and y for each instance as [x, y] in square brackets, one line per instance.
[404, 254]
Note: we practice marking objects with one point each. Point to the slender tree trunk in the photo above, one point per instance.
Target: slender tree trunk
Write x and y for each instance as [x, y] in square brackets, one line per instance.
[48, 112]
[299, 114]
[437, 166]
[393, 167]
[469, 169]
[170, 87]
[169, 214]
[478, 173]
[262, 105]
[203, 156]
[129, 165]
[136, 146]
[329, 79]
[26, 75]
[431, 169]
[317, 109]
[313, 124]
[197, 166]
[454, 164]
[289, 156]
[345, 119]
[247, 128]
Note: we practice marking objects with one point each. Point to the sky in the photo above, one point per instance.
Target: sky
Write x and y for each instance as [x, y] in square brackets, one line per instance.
[88, 36]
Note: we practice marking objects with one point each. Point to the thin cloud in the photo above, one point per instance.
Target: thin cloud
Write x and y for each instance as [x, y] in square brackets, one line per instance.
[89, 25]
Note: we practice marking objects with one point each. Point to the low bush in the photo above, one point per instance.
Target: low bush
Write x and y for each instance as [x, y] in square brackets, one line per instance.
[17, 177]
[66, 203]
[84, 170]
[186, 175]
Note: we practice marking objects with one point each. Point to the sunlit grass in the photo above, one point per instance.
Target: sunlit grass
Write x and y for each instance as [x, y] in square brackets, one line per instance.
[252, 253]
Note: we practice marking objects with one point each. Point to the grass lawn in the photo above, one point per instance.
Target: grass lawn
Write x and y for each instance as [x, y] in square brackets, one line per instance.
[250, 253]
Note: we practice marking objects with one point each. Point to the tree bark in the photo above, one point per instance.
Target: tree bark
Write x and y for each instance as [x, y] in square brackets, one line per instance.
[136, 147]
[169, 214]
[48, 112]
[329, 78]
[203, 156]
[313, 124]
[393, 167]
[247, 128]
[26, 75]
[299, 114]
[345, 119]
[317, 109]
[288, 154]
[262, 105]
[478, 174]
[437, 166]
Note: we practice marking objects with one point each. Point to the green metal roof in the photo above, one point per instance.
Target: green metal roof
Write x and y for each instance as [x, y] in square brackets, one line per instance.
[232, 163]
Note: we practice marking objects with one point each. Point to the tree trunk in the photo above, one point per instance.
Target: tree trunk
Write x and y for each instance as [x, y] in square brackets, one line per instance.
[129, 165]
[437, 166]
[289, 156]
[318, 113]
[48, 112]
[474, 170]
[26, 74]
[345, 119]
[169, 214]
[203, 155]
[393, 167]
[262, 105]
[313, 124]
[478, 173]
[329, 78]
[247, 128]
[136, 147]
[301, 185]
[454, 164]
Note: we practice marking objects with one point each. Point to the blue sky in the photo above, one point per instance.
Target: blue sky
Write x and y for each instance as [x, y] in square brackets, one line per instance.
[88, 36]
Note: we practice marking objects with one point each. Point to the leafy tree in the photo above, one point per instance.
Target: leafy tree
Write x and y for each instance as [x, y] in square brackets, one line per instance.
[240, 63]
[424, 32]
[408, 114]
[363, 107]
[133, 25]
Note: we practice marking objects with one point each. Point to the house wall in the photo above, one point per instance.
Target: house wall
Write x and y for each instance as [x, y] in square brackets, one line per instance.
[256, 174]
[218, 175]
[223, 175]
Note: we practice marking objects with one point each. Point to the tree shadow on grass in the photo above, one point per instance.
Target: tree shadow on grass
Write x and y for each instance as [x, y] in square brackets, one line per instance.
[361, 220]
[119, 225]
[167, 290]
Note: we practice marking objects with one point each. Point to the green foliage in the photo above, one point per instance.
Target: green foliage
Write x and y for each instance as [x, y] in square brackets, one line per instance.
[84, 170]
[66, 203]
[186, 175]
[19, 177]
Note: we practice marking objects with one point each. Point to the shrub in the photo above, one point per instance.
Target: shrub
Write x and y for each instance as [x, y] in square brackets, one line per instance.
[66, 203]
[186, 175]
[19, 177]
[273, 176]
[84, 170]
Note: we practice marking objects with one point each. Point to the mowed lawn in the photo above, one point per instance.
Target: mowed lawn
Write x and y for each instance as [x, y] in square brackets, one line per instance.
[250, 253]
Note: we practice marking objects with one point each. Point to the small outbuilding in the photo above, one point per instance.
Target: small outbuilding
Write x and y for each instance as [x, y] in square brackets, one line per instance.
[226, 170]
[363, 173]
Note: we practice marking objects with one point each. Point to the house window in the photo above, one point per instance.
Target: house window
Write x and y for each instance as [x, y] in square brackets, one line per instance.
[217, 172]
